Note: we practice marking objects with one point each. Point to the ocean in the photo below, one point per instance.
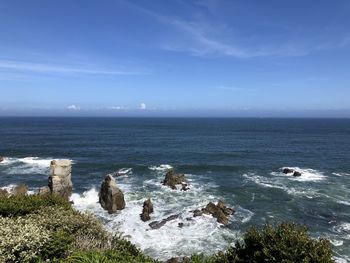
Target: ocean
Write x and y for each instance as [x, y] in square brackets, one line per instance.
[236, 160]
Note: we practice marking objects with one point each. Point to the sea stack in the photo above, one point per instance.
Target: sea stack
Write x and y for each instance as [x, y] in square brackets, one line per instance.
[111, 197]
[146, 210]
[60, 182]
[172, 179]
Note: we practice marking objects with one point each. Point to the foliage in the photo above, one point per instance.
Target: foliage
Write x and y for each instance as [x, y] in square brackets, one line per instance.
[21, 240]
[22, 205]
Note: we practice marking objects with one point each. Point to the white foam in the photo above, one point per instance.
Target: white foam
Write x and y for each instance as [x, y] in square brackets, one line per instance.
[307, 174]
[340, 260]
[343, 229]
[198, 235]
[341, 174]
[343, 202]
[27, 165]
[161, 168]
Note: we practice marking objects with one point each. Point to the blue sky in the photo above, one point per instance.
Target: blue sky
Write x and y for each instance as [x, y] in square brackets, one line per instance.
[175, 58]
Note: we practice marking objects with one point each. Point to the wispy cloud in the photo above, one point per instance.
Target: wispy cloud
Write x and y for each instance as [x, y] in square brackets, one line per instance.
[73, 107]
[62, 69]
[143, 106]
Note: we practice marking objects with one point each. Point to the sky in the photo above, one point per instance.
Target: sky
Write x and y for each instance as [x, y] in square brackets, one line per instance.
[175, 58]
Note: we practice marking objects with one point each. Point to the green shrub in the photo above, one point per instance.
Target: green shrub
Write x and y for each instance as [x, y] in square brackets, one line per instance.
[57, 247]
[23, 205]
[287, 242]
[21, 239]
[108, 256]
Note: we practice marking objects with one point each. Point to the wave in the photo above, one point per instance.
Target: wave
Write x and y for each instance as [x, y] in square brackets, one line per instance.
[160, 168]
[197, 234]
[307, 174]
[343, 230]
[27, 165]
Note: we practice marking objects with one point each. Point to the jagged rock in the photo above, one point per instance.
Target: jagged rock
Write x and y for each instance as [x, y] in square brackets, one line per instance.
[45, 190]
[172, 179]
[1, 158]
[180, 225]
[146, 210]
[3, 193]
[159, 224]
[185, 187]
[21, 189]
[219, 211]
[296, 174]
[60, 179]
[287, 170]
[111, 197]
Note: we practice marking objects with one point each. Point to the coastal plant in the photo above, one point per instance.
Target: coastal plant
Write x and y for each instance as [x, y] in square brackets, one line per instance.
[22, 205]
[21, 239]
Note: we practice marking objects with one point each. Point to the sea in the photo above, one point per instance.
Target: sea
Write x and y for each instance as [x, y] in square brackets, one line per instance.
[237, 160]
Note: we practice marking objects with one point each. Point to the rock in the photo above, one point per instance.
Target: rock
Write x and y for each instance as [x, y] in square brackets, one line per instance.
[296, 174]
[185, 187]
[180, 225]
[287, 170]
[45, 190]
[111, 197]
[21, 189]
[159, 224]
[172, 179]
[146, 210]
[3, 193]
[60, 182]
[2, 158]
[219, 211]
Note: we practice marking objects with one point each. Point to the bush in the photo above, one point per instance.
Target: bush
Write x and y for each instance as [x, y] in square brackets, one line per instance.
[287, 242]
[23, 205]
[21, 240]
[108, 256]
[57, 247]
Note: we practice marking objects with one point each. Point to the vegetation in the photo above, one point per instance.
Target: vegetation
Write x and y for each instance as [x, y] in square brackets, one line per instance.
[47, 229]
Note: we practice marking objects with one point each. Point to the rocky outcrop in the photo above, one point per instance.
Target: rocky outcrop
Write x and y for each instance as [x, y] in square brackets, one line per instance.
[21, 189]
[296, 174]
[111, 197]
[2, 158]
[172, 179]
[146, 210]
[60, 182]
[287, 170]
[220, 211]
[159, 224]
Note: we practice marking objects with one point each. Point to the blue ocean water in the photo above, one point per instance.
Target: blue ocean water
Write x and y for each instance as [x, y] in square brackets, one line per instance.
[235, 160]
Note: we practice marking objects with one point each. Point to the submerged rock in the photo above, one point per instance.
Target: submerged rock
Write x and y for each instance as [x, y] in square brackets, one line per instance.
[111, 197]
[220, 211]
[2, 158]
[172, 179]
[21, 189]
[296, 174]
[287, 170]
[159, 224]
[146, 210]
[60, 179]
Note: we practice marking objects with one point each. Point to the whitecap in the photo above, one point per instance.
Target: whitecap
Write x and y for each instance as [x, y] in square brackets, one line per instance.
[27, 165]
[307, 174]
[161, 168]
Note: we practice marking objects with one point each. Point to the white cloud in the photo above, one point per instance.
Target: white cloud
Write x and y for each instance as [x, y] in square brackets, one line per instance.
[63, 69]
[73, 107]
[116, 108]
[142, 106]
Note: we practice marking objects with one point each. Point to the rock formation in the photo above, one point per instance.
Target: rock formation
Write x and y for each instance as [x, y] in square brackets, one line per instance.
[172, 179]
[60, 179]
[296, 174]
[146, 210]
[219, 211]
[1, 158]
[287, 170]
[159, 224]
[111, 197]
[21, 189]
